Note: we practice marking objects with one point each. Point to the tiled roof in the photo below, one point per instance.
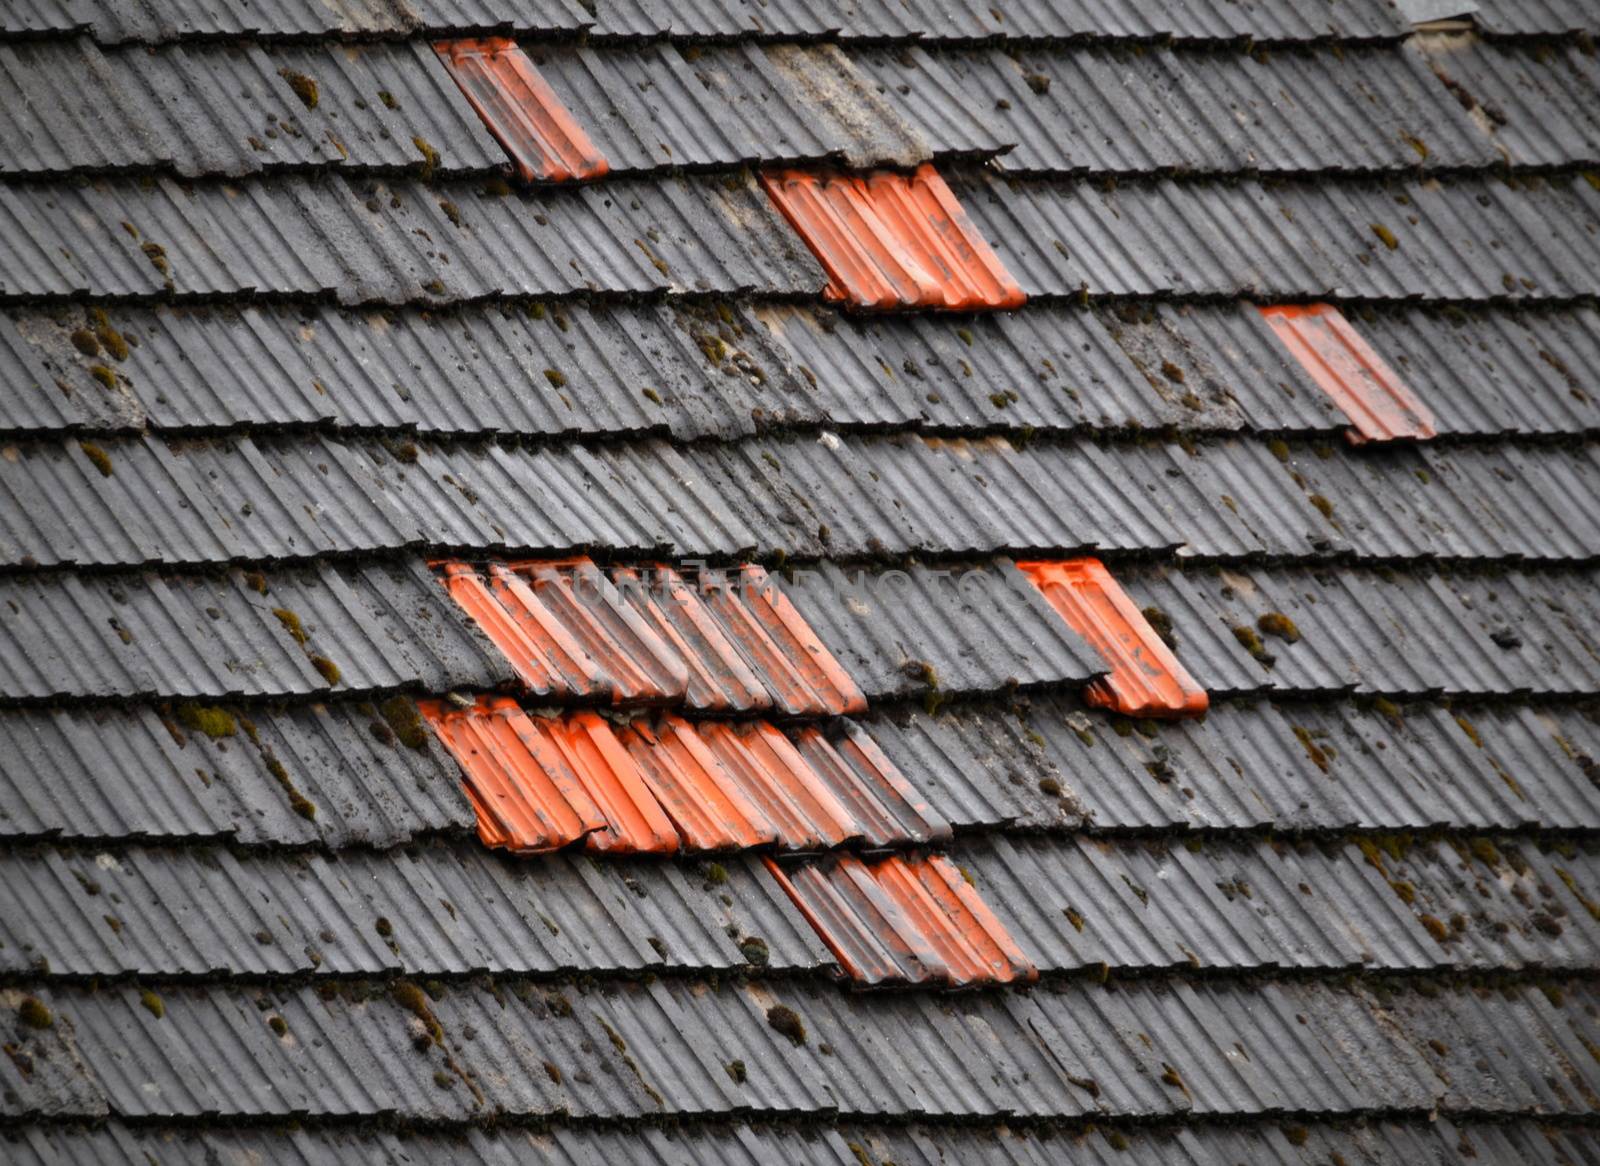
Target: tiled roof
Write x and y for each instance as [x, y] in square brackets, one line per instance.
[547, 548]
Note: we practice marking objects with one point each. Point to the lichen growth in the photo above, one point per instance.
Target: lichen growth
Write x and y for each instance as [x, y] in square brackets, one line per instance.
[1308, 742]
[1160, 623]
[754, 950]
[430, 157]
[215, 722]
[298, 802]
[1275, 623]
[1251, 642]
[304, 87]
[291, 624]
[786, 1021]
[415, 1001]
[98, 457]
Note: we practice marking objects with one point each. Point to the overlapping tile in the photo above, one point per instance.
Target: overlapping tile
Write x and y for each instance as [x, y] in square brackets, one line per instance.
[541, 782]
[913, 920]
[1144, 677]
[725, 641]
[892, 240]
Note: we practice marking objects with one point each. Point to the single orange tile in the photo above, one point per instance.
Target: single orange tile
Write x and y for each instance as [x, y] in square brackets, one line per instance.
[955, 921]
[1380, 405]
[540, 135]
[1145, 679]
[890, 240]
[635, 822]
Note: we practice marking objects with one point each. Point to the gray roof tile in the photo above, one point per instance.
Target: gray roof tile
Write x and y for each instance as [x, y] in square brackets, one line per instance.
[395, 242]
[144, 634]
[1102, 110]
[1456, 239]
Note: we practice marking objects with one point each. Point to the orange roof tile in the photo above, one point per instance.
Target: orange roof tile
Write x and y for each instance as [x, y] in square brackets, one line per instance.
[904, 920]
[521, 110]
[638, 665]
[538, 783]
[708, 804]
[769, 769]
[883, 805]
[566, 632]
[635, 823]
[800, 675]
[526, 797]
[1146, 679]
[893, 240]
[731, 641]
[720, 679]
[1379, 404]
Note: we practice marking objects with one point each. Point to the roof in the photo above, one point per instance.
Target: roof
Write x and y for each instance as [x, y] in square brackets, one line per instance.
[614, 581]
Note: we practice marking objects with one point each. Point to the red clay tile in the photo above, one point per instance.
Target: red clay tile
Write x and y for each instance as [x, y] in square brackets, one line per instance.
[639, 666]
[884, 808]
[893, 240]
[1379, 404]
[719, 678]
[1146, 679]
[566, 632]
[805, 813]
[634, 822]
[526, 796]
[728, 642]
[911, 920]
[801, 676]
[520, 109]
[707, 803]
[539, 783]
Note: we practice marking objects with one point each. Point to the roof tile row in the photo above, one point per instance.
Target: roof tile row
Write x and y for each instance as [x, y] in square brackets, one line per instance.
[1081, 1051]
[716, 641]
[542, 782]
[628, 368]
[913, 920]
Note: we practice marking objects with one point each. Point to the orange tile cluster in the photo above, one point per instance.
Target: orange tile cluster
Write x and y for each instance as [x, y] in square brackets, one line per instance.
[892, 240]
[1146, 679]
[630, 775]
[1380, 405]
[733, 642]
[664, 784]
